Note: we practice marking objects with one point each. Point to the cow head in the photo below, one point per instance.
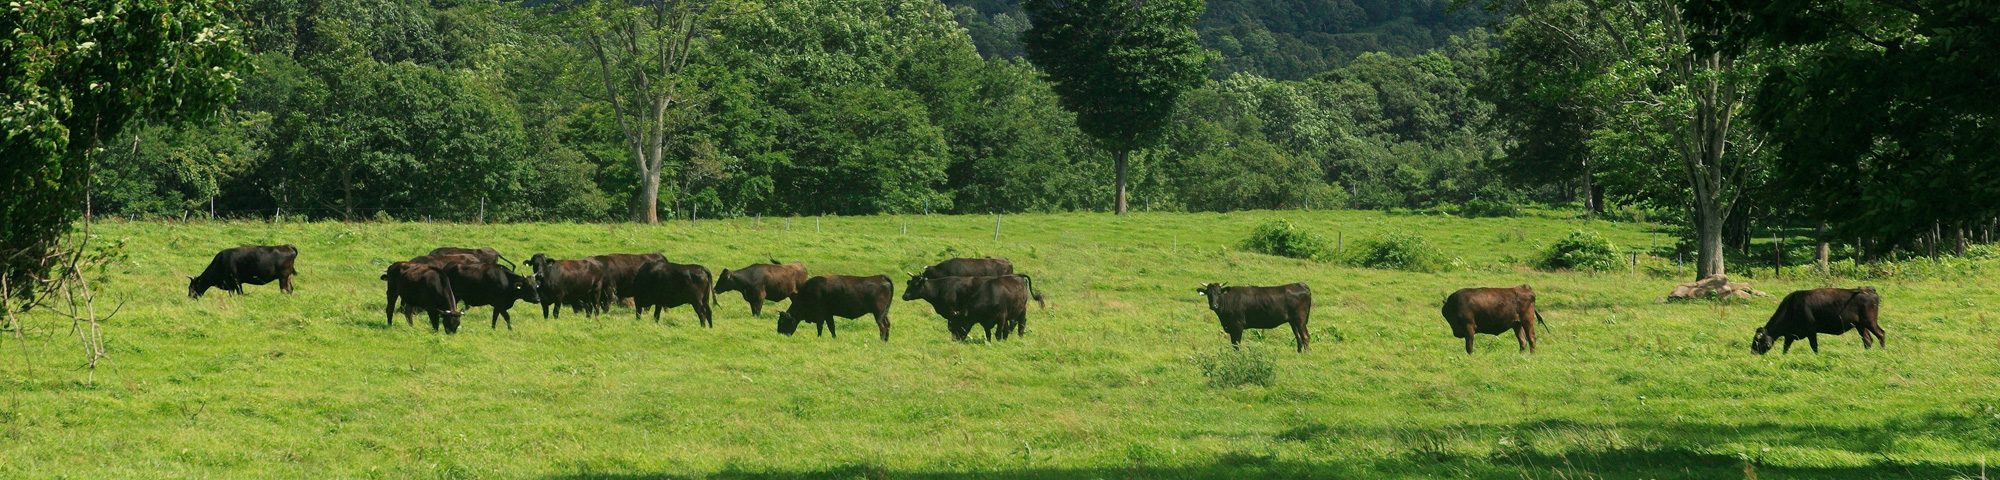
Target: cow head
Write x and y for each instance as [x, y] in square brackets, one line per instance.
[917, 287]
[196, 287]
[1214, 293]
[1762, 341]
[539, 262]
[525, 288]
[787, 324]
[724, 282]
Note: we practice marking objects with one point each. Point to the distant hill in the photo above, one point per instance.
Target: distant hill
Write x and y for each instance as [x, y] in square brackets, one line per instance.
[1283, 39]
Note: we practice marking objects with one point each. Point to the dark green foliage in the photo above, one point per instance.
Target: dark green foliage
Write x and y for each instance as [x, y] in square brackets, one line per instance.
[1120, 65]
[1581, 250]
[1400, 251]
[1281, 238]
[1237, 367]
[73, 76]
[1484, 207]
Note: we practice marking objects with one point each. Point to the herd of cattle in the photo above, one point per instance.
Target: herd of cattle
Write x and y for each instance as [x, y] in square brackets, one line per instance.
[985, 292]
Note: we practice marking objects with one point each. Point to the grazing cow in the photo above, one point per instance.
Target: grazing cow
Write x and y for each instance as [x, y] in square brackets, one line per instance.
[761, 282]
[662, 284]
[253, 264]
[577, 283]
[426, 287]
[482, 284]
[621, 270]
[1240, 307]
[970, 267]
[1832, 311]
[1493, 311]
[447, 259]
[485, 254]
[987, 301]
[823, 297]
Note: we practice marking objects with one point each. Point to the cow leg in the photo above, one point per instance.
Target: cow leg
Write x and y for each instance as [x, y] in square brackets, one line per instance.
[882, 322]
[756, 302]
[1521, 338]
[705, 312]
[1236, 337]
[389, 312]
[434, 320]
[510, 319]
[1879, 341]
[1788, 344]
[989, 331]
[496, 320]
[1814, 341]
[819, 330]
[285, 282]
[1471, 332]
[1304, 337]
[831, 327]
[1530, 325]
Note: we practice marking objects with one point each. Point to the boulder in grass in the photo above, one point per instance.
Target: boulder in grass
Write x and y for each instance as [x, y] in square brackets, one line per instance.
[1714, 287]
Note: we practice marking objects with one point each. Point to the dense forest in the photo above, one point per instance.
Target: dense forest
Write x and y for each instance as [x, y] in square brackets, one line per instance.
[1872, 127]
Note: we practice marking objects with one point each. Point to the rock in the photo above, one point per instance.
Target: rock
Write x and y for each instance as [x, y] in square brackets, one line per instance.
[1714, 287]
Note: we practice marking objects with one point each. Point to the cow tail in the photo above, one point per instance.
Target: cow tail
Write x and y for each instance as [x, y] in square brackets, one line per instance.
[1538, 319]
[1033, 293]
[510, 263]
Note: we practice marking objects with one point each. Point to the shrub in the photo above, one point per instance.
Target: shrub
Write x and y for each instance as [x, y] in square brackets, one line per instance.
[1281, 238]
[1401, 251]
[1480, 207]
[1238, 366]
[1581, 250]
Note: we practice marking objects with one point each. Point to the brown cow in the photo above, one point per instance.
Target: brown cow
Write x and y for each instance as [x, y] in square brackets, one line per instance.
[970, 267]
[824, 297]
[621, 272]
[1493, 311]
[577, 283]
[485, 254]
[1832, 311]
[762, 282]
[1240, 308]
[426, 287]
[987, 301]
[662, 284]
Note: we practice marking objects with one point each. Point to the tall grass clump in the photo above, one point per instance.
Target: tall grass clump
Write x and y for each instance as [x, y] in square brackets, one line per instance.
[1401, 251]
[1281, 238]
[1238, 366]
[1485, 208]
[1581, 250]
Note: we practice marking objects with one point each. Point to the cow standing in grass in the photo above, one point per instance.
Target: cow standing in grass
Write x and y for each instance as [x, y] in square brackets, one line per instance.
[576, 283]
[822, 298]
[621, 272]
[1493, 311]
[253, 264]
[1832, 311]
[762, 282]
[484, 284]
[425, 287]
[661, 284]
[1239, 308]
[970, 267]
[986, 301]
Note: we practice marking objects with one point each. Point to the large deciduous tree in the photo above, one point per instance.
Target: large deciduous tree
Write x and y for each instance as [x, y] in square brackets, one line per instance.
[1121, 65]
[642, 49]
[73, 74]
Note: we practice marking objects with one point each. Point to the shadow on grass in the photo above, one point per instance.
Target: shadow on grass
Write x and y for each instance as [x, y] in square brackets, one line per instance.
[1625, 464]
[1684, 453]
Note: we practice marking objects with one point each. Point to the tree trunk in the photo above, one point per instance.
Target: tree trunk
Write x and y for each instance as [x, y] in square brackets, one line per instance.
[1121, 162]
[1708, 239]
[646, 202]
[1590, 200]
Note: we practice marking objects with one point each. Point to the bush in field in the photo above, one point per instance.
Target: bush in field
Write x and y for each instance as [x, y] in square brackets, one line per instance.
[1581, 250]
[1401, 251]
[1281, 238]
[1480, 207]
[1238, 366]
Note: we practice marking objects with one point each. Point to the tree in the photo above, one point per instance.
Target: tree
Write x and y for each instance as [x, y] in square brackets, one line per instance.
[642, 49]
[1672, 108]
[74, 74]
[1885, 117]
[1120, 65]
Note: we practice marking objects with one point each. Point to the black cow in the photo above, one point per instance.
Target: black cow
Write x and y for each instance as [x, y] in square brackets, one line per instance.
[987, 301]
[1241, 307]
[824, 297]
[483, 284]
[1493, 311]
[484, 254]
[970, 267]
[762, 282]
[253, 264]
[663, 284]
[1832, 311]
[426, 287]
[577, 283]
[621, 271]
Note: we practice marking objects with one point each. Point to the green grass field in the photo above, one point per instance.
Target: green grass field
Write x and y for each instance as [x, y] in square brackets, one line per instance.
[1109, 382]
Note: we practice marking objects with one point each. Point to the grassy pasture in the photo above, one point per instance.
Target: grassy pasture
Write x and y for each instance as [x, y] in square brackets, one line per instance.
[1108, 383]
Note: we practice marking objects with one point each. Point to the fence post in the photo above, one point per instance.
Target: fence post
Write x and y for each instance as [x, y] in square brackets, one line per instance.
[996, 227]
[482, 210]
[694, 215]
[816, 225]
[1339, 240]
[211, 208]
[1777, 255]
